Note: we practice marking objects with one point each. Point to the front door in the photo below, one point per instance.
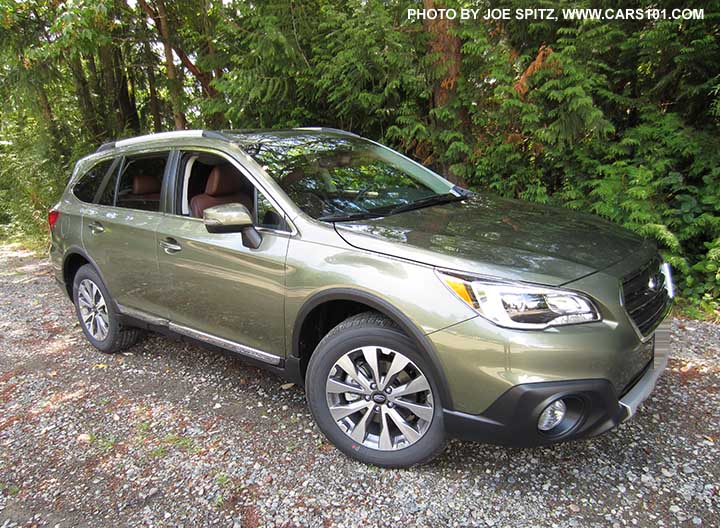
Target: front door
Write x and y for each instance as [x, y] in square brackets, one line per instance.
[215, 286]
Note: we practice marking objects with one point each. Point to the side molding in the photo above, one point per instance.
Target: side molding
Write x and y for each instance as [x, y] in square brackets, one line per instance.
[232, 346]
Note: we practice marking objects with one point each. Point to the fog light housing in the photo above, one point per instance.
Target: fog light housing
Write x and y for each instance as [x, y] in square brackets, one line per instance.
[552, 416]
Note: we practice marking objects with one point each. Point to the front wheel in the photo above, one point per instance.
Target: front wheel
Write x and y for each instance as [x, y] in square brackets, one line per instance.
[373, 395]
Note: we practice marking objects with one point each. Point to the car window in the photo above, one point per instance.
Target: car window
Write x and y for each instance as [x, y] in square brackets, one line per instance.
[89, 185]
[107, 189]
[199, 191]
[141, 181]
[267, 215]
[327, 175]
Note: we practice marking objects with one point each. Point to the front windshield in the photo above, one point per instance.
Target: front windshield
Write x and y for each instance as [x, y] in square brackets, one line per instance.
[331, 176]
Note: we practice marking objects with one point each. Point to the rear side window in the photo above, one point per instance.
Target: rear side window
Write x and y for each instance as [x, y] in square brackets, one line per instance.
[90, 183]
[141, 181]
[107, 195]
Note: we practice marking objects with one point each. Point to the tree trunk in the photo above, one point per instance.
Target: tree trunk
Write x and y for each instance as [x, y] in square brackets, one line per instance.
[113, 119]
[56, 132]
[128, 111]
[96, 86]
[446, 48]
[82, 90]
[217, 119]
[150, 72]
[174, 86]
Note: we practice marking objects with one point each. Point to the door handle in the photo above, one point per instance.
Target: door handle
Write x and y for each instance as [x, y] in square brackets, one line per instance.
[170, 245]
[95, 227]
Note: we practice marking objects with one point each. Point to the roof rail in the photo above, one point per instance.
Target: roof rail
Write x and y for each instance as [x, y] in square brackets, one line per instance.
[106, 146]
[214, 134]
[161, 135]
[327, 129]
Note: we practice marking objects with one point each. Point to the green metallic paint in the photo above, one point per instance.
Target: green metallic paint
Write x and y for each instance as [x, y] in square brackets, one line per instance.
[319, 259]
[217, 285]
[126, 253]
[498, 237]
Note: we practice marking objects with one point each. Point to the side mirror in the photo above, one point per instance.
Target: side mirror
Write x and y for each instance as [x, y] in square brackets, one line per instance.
[232, 218]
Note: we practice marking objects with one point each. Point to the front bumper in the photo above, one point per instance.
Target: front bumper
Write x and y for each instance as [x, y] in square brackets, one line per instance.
[512, 419]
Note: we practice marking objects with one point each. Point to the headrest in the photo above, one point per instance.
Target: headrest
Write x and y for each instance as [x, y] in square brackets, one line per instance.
[145, 184]
[224, 179]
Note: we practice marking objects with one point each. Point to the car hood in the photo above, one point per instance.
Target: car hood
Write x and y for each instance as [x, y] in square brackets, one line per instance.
[499, 237]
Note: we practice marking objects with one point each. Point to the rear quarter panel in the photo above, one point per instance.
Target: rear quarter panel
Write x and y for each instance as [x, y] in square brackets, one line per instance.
[67, 233]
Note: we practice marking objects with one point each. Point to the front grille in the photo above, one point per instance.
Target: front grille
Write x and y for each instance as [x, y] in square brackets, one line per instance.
[645, 296]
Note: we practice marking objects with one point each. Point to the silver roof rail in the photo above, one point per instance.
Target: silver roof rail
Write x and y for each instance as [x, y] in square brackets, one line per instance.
[327, 129]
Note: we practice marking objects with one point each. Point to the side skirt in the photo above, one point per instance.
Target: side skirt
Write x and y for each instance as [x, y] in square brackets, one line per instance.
[152, 322]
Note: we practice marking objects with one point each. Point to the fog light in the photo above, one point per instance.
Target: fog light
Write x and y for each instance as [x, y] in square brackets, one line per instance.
[552, 415]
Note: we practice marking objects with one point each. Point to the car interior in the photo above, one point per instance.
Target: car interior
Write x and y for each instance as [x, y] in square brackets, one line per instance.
[140, 183]
[210, 180]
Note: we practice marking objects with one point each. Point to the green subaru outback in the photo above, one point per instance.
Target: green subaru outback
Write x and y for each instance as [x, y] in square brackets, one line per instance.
[410, 309]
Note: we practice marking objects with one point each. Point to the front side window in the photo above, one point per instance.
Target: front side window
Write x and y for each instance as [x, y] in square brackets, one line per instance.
[267, 215]
[209, 180]
[334, 176]
[90, 184]
[140, 182]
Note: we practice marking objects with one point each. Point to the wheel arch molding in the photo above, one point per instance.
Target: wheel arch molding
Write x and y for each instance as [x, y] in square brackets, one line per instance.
[72, 253]
[424, 344]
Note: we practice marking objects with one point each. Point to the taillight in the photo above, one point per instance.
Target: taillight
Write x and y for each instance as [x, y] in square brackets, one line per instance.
[53, 216]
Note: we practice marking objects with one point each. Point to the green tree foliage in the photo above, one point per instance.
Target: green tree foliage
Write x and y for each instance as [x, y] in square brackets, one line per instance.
[616, 117]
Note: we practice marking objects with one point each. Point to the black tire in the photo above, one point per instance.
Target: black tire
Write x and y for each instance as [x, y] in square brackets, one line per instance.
[371, 329]
[118, 337]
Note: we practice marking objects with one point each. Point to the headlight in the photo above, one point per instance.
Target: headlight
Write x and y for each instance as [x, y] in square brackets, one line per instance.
[521, 306]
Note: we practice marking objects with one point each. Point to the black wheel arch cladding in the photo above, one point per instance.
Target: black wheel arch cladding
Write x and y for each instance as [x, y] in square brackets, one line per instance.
[424, 344]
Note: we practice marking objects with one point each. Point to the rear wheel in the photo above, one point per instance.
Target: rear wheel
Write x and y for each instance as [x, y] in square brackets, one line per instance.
[97, 315]
[373, 395]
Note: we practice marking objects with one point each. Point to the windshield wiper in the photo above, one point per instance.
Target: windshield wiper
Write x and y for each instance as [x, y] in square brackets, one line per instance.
[364, 215]
[436, 199]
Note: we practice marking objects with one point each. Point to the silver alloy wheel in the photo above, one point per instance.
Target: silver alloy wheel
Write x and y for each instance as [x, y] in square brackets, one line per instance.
[93, 309]
[379, 398]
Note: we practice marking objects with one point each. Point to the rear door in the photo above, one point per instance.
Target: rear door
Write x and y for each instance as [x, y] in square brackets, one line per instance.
[119, 231]
[216, 288]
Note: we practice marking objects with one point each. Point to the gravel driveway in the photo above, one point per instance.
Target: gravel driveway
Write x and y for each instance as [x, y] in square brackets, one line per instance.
[170, 434]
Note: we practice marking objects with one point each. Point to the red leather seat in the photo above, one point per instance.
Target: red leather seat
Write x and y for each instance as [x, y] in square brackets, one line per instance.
[225, 185]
